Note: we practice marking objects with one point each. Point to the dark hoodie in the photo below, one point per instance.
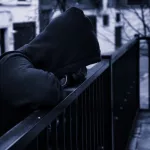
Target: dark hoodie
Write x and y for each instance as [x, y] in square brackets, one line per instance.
[29, 76]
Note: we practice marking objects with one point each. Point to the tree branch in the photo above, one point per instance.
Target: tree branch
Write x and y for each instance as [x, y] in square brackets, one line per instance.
[142, 18]
[127, 21]
[105, 38]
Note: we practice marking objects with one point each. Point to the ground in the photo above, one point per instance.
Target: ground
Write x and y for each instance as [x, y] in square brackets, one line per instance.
[144, 81]
[140, 138]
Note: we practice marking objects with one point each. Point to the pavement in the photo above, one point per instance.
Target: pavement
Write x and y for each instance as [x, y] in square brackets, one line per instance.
[140, 137]
[144, 82]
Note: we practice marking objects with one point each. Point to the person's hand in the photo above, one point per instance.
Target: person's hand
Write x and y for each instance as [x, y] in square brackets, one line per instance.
[64, 81]
[74, 78]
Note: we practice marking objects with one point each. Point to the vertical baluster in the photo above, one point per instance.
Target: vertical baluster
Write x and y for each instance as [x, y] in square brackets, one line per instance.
[53, 135]
[96, 116]
[68, 129]
[103, 111]
[107, 106]
[61, 131]
[93, 105]
[82, 115]
[79, 123]
[47, 139]
[33, 145]
[70, 126]
[74, 126]
[43, 140]
[49, 129]
[77, 126]
[85, 119]
[64, 130]
[90, 118]
[100, 112]
[36, 143]
[56, 133]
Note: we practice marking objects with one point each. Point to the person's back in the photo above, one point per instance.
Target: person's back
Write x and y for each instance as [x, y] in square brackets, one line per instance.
[29, 77]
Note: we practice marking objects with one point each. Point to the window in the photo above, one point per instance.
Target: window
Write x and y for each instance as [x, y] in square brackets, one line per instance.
[118, 18]
[2, 41]
[25, 33]
[118, 3]
[47, 2]
[118, 36]
[137, 2]
[133, 2]
[105, 20]
[24, 2]
[15, 2]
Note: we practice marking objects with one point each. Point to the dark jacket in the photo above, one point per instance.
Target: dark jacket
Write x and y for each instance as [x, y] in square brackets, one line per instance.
[29, 76]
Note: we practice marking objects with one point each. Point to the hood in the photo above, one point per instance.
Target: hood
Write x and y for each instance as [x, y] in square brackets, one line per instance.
[66, 44]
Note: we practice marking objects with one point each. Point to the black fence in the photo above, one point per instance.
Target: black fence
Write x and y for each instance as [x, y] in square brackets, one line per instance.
[96, 115]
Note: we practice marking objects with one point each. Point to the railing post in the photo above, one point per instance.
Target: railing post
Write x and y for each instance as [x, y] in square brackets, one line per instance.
[112, 101]
[109, 58]
[148, 44]
[138, 69]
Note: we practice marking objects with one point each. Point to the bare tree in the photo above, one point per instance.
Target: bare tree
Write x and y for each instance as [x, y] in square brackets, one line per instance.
[136, 20]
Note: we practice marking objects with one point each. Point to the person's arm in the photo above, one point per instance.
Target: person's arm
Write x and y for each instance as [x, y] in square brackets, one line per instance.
[24, 85]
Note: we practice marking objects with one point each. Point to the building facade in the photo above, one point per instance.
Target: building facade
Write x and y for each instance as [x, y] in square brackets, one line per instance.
[19, 23]
[134, 16]
[22, 20]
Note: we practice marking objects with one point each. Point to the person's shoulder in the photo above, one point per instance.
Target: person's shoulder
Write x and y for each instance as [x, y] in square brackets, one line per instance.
[7, 56]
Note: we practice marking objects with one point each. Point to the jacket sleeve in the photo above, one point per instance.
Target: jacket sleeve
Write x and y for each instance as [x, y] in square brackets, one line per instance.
[24, 85]
[43, 88]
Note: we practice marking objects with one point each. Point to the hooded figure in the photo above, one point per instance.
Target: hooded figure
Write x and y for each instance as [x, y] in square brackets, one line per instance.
[29, 76]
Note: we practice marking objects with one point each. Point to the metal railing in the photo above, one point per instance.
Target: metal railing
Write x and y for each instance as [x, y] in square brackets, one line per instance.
[96, 115]
[126, 97]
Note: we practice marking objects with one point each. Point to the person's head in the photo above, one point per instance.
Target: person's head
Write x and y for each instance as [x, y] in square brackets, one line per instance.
[67, 44]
